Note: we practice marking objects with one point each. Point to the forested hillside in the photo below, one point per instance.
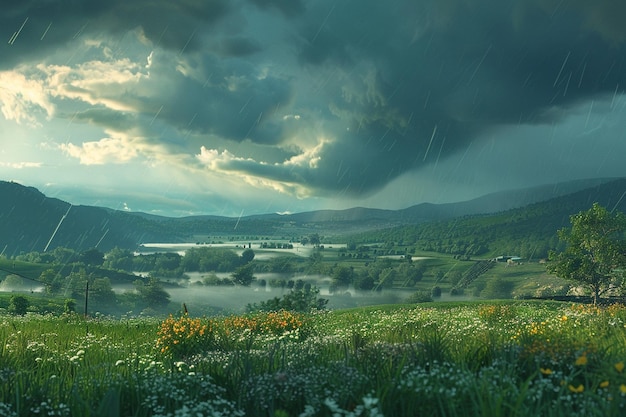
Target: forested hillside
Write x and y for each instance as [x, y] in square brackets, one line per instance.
[529, 232]
[30, 221]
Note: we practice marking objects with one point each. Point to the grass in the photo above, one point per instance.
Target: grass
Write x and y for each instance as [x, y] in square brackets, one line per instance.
[28, 269]
[440, 359]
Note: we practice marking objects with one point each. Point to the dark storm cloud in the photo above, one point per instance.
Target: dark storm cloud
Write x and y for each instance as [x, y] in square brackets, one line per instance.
[446, 72]
[226, 96]
[238, 46]
[379, 88]
[288, 7]
[106, 118]
[229, 100]
[52, 24]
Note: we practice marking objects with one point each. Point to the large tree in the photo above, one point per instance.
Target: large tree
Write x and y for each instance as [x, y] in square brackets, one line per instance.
[595, 249]
[244, 275]
[152, 293]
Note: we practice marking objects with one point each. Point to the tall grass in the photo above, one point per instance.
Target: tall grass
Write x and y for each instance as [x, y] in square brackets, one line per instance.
[505, 359]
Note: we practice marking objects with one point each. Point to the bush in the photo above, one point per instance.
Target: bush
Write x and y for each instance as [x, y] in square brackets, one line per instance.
[436, 291]
[69, 306]
[498, 288]
[456, 291]
[304, 301]
[419, 297]
[18, 305]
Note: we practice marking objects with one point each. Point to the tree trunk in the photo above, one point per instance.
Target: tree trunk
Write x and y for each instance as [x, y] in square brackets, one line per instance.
[596, 293]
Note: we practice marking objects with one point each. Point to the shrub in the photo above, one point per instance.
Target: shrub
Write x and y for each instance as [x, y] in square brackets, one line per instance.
[18, 304]
[420, 297]
[436, 291]
[498, 288]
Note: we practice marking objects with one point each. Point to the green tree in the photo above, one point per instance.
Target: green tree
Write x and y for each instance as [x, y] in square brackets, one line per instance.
[52, 280]
[92, 257]
[364, 280]
[243, 275]
[302, 300]
[436, 291]
[101, 292]
[498, 288]
[315, 264]
[75, 284]
[281, 264]
[387, 278]
[18, 304]
[205, 259]
[595, 249]
[69, 306]
[118, 258]
[64, 255]
[247, 256]
[152, 293]
[314, 239]
[410, 273]
[342, 277]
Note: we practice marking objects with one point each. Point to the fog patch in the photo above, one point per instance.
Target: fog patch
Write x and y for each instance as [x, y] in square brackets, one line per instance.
[15, 283]
[208, 299]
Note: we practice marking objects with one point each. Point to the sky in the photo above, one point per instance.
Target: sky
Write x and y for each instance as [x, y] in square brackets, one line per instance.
[239, 107]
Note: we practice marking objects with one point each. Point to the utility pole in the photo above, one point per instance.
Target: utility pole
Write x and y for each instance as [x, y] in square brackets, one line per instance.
[86, 297]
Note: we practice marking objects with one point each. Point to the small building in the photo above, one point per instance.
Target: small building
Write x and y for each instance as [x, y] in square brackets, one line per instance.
[504, 258]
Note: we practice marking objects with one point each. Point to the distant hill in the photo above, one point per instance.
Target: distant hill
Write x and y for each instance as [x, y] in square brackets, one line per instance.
[503, 200]
[425, 212]
[529, 231]
[30, 221]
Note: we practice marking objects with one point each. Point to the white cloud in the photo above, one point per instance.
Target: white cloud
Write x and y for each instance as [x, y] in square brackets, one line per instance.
[20, 97]
[226, 161]
[117, 149]
[212, 158]
[309, 158]
[95, 82]
[26, 90]
[285, 177]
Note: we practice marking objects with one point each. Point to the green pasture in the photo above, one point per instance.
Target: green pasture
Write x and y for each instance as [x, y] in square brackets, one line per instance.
[27, 269]
[502, 358]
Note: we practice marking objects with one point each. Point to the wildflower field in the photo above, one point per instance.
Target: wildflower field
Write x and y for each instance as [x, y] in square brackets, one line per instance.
[477, 359]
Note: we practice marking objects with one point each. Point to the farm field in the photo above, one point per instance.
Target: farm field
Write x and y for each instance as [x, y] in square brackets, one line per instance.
[473, 359]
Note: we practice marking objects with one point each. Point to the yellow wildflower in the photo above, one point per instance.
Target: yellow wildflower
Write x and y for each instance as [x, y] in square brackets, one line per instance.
[579, 388]
[604, 384]
[622, 388]
[545, 371]
[581, 360]
[619, 367]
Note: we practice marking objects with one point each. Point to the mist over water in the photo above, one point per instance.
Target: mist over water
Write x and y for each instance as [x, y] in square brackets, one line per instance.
[234, 299]
[226, 299]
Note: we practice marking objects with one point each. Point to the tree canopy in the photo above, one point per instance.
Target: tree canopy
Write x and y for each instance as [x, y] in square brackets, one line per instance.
[595, 249]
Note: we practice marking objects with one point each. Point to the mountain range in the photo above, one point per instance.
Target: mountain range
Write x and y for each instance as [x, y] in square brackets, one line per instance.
[30, 221]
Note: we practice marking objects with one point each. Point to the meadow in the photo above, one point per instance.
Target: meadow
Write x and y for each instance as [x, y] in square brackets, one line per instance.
[444, 359]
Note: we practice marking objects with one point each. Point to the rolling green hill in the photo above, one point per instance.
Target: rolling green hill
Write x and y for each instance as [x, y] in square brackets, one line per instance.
[528, 232]
[30, 221]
